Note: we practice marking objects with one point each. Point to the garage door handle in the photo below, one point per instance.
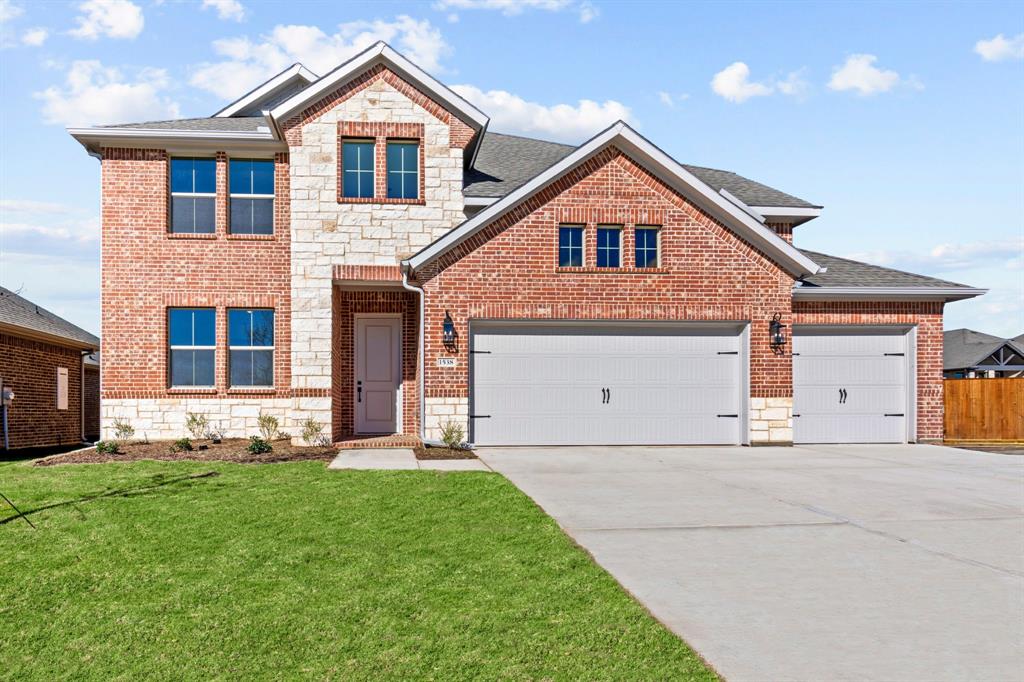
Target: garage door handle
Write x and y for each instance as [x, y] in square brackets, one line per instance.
[728, 415]
[893, 414]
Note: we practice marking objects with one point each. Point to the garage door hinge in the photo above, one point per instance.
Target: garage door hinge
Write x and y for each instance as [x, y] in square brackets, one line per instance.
[728, 415]
[728, 352]
[479, 352]
[796, 415]
[893, 414]
[893, 355]
[479, 416]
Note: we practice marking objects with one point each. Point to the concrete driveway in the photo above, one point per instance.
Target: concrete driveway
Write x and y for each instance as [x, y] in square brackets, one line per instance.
[806, 563]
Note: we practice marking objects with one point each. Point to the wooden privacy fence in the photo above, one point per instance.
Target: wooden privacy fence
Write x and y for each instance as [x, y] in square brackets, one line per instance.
[984, 409]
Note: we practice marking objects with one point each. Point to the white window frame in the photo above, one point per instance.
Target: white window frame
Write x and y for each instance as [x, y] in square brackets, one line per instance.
[358, 170]
[272, 197]
[273, 358]
[192, 195]
[657, 246]
[582, 247]
[174, 348]
[402, 172]
[599, 248]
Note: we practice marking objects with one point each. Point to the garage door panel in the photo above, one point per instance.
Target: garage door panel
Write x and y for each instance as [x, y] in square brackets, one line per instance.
[545, 385]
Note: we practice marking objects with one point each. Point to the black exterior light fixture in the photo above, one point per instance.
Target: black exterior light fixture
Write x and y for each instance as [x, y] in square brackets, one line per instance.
[777, 337]
[448, 333]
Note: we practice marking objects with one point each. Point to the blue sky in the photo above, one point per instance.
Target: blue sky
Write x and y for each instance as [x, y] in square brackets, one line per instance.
[905, 120]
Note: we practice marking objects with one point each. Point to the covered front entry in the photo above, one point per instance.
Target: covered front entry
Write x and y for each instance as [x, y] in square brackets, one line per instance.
[852, 384]
[611, 384]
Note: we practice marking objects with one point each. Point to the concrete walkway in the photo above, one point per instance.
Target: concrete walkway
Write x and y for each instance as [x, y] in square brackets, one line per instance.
[806, 563]
[399, 459]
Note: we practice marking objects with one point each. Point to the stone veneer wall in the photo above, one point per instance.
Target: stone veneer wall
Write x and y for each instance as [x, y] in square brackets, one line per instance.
[164, 418]
[771, 420]
[326, 232]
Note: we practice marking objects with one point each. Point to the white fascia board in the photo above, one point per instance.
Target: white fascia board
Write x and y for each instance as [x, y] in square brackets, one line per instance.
[380, 51]
[665, 167]
[796, 215]
[479, 201]
[810, 293]
[743, 207]
[263, 90]
[177, 141]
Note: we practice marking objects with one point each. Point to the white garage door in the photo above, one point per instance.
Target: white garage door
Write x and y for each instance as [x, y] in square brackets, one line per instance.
[614, 385]
[850, 386]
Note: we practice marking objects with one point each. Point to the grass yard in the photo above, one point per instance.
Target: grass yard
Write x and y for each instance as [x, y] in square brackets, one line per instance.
[288, 571]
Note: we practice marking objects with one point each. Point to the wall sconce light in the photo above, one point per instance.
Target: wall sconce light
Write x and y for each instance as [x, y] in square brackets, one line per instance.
[777, 337]
[448, 333]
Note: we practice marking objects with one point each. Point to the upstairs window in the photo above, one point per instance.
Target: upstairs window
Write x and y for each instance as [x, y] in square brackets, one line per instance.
[403, 170]
[570, 246]
[609, 246]
[251, 347]
[193, 195]
[252, 196]
[192, 339]
[357, 169]
[646, 247]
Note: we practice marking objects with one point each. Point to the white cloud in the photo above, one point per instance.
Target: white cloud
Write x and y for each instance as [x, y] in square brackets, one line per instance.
[226, 9]
[585, 9]
[34, 37]
[8, 206]
[1001, 48]
[794, 84]
[8, 11]
[565, 122]
[734, 84]
[1005, 253]
[94, 94]
[111, 18]
[670, 100]
[859, 73]
[248, 63]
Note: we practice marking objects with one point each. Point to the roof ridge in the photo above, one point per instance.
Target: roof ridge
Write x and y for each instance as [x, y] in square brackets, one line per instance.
[811, 254]
[533, 139]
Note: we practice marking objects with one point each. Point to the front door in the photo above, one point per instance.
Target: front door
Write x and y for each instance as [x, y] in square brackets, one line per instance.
[378, 374]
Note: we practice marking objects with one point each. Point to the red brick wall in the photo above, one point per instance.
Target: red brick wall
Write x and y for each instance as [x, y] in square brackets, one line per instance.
[509, 270]
[146, 270]
[92, 402]
[346, 304]
[926, 315]
[29, 368]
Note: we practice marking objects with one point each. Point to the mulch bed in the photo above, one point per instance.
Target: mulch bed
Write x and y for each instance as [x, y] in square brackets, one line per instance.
[229, 450]
[443, 453]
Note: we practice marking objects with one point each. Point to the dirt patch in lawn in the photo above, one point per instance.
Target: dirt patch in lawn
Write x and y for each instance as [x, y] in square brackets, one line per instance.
[443, 453]
[228, 450]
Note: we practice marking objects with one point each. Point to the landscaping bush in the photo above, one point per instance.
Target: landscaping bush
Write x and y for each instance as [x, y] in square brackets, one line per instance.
[107, 447]
[452, 434]
[258, 446]
[181, 445]
[197, 424]
[312, 431]
[123, 430]
[268, 426]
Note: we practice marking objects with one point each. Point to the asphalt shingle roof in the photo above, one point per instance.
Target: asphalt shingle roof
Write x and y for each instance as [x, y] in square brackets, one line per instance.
[506, 162]
[843, 272]
[20, 312]
[228, 124]
[966, 348]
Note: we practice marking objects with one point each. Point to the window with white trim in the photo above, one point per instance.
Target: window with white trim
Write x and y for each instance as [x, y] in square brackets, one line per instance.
[403, 170]
[193, 195]
[357, 169]
[192, 341]
[609, 246]
[647, 246]
[251, 347]
[252, 196]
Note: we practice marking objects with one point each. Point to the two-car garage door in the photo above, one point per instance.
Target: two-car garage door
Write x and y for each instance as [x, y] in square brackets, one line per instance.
[570, 384]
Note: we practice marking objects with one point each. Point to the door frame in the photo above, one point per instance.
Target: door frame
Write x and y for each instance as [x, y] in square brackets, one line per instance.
[909, 333]
[356, 317]
[741, 328]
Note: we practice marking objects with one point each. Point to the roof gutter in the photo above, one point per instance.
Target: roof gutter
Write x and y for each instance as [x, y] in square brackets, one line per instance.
[814, 293]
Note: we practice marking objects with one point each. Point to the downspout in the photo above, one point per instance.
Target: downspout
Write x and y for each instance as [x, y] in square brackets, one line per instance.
[81, 391]
[420, 356]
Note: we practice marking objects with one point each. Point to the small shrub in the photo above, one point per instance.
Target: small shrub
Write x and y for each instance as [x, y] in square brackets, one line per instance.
[123, 430]
[268, 426]
[452, 434]
[312, 431]
[258, 446]
[197, 424]
[214, 435]
[181, 445]
[107, 447]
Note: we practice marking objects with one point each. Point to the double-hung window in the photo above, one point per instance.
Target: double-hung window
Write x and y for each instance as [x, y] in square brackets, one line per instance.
[570, 246]
[403, 170]
[193, 195]
[251, 347]
[357, 169]
[192, 339]
[252, 196]
[646, 247]
[609, 246]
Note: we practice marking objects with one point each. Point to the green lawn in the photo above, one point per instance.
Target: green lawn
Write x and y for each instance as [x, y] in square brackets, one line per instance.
[290, 571]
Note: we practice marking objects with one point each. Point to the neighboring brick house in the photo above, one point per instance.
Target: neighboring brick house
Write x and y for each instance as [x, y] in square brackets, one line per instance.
[43, 363]
[358, 249]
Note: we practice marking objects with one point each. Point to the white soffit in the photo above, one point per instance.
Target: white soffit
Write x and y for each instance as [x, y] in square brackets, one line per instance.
[260, 91]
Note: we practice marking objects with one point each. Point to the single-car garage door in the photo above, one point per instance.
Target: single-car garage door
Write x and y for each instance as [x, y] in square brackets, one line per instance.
[851, 385]
[572, 384]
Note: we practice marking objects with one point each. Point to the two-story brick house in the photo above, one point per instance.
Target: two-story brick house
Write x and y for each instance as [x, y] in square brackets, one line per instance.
[361, 250]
